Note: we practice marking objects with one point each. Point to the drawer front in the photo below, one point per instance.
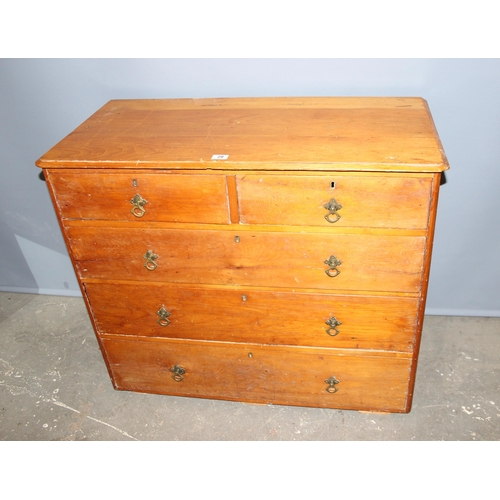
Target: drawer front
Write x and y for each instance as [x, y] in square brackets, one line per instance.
[248, 315]
[107, 195]
[262, 374]
[292, 260]
[358, 201]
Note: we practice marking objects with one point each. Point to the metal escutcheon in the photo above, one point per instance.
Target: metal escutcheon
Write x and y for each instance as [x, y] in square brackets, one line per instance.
[163, 316]
[150, 263]
[332, 382]
[177, 373]
[332, 206]
[333, 323]
[333, 263]
[138, 202]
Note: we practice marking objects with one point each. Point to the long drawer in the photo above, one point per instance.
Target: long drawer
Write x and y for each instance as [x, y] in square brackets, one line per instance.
[140, 196]
[261, 374]
[335, 201]
[292, 260]
[258, 316]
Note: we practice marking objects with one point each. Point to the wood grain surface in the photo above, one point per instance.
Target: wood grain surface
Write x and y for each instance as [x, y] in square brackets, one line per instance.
[367, 201]
[395, 134]
[107, 195]
[248, 315]
[261, 374]
[293, 260]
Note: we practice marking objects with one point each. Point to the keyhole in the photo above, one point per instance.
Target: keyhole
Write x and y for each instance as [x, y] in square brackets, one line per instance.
[332, 184]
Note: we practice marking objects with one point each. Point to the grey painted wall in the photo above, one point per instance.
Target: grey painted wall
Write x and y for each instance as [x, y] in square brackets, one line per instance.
[42, 100]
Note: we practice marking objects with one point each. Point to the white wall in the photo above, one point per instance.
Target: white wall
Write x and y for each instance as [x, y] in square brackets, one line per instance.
[42, 100]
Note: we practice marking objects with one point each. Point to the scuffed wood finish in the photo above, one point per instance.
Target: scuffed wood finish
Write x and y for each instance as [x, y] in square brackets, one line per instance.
[264, 374]
[346, 133]
[367, 201]
[106, 195]
[294, 260]
[259, 316]
[425, 283]
[241, 244]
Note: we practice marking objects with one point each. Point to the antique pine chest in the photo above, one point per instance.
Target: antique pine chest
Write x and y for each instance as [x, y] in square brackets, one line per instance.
[266, 250]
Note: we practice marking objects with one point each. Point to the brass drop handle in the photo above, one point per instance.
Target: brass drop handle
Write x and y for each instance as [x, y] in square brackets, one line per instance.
[332, 263]
[150, 263]
[333, 323]
[332, 382]
[177, 373]
[332, 206]
[138, 203]
[163, 316]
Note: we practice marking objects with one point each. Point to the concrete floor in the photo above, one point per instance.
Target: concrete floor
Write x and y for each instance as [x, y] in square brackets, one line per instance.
[54, 387]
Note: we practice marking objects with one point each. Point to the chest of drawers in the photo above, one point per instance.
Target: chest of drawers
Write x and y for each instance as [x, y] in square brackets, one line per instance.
[266, 250]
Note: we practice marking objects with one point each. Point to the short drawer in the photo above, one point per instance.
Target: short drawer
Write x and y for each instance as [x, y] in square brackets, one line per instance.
[139, 196]
[339, 200]
[287, 260]
[258, 316]
[261, 374]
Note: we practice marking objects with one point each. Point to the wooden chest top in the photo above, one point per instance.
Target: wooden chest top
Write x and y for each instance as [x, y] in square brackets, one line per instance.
[315, 133]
